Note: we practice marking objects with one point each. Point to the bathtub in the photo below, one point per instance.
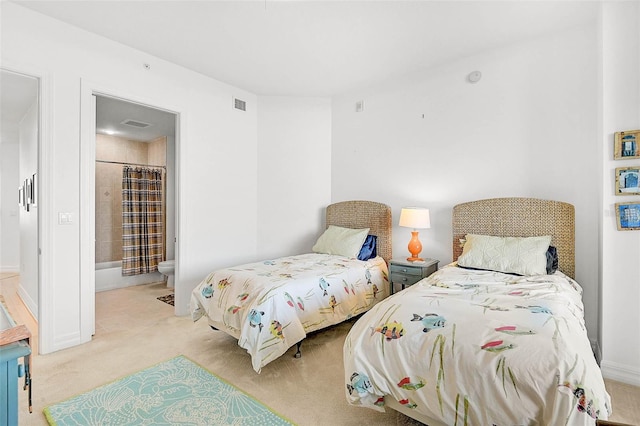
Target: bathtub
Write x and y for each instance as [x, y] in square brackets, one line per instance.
[109, 277]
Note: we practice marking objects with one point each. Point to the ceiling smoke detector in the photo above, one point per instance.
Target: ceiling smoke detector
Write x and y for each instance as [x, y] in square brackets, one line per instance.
[474, 76]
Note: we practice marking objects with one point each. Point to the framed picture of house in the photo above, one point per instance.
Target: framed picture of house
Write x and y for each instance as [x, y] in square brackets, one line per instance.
[626, 145]
[628, 216]
[628, 181]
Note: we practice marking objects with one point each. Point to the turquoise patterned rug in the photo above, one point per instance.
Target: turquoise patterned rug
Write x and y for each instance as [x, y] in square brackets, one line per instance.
[175, 392]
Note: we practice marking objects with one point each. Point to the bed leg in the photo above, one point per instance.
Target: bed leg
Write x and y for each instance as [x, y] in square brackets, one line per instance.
[298, 354]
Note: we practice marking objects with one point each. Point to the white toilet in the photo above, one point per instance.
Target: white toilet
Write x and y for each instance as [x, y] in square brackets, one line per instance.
[167, 268]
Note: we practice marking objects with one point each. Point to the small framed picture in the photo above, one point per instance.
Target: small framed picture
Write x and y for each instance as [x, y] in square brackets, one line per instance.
[27, 191]
[628, 216]
[21, 196]
[34, 187]
[626, 145]
[628, 181]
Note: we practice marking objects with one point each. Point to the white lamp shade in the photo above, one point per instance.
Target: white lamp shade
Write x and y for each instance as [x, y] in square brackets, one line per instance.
[415, 217]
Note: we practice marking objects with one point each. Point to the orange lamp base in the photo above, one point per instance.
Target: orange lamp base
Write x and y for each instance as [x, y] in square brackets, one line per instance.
[415, 247]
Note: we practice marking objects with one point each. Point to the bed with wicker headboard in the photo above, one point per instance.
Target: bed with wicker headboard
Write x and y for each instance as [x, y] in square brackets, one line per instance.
[273, 304]
[519, 217]
[477, 346]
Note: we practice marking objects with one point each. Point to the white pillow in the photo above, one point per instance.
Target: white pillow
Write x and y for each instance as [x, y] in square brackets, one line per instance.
[514, 255]
[342, 241]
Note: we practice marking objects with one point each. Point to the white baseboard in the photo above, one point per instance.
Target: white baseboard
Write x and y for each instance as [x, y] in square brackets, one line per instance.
[31, 304]
[111, 279]
[64, 341]
[12, 268]
[597, 352]
[621, 373]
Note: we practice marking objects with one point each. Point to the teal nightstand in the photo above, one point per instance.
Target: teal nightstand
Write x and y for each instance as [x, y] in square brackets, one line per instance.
[405, 273]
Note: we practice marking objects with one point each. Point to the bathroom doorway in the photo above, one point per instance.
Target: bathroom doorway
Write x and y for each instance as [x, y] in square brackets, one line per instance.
[138, 139]
[141, 110]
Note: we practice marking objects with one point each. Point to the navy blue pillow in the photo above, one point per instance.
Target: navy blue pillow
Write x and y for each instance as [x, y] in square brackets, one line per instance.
[552, 260]
[368, 250]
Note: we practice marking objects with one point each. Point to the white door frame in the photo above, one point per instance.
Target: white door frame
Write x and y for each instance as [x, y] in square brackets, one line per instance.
[87, 191]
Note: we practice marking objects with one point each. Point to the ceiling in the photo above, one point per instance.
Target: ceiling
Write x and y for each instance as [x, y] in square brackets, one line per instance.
[111, 113]
[293, 47]
[314, 48]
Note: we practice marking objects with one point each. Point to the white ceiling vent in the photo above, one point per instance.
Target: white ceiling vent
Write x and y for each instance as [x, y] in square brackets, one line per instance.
[135, 123]
[239, 104]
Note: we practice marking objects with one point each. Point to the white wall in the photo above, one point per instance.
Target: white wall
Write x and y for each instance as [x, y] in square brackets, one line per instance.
[620, 38]
[9, 210]
[217, 159]
[28, 288]
[527, 129]
[294, 173]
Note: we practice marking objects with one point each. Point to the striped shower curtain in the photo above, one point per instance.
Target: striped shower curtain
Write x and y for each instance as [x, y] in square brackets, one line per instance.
[142, 220]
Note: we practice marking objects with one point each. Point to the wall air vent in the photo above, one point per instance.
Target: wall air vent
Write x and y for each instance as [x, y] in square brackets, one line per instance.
[135, 123]
[239, 104]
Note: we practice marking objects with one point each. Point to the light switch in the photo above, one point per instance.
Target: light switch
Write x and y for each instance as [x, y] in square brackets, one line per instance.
[65, 218]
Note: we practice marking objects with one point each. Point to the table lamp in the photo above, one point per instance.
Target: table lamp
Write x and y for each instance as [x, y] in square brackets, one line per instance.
[416, 218]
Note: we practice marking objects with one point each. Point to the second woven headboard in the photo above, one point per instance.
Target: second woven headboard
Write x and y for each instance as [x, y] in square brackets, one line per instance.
[519, 217]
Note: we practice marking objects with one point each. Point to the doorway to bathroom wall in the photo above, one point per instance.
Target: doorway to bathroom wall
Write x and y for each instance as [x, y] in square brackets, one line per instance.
[137, 112]
[139, 137]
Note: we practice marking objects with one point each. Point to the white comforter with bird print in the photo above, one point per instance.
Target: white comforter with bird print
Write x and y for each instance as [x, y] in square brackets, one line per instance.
[270, 306]
[467, 347]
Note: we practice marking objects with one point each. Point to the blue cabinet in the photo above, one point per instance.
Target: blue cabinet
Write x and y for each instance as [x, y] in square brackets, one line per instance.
[11, 369]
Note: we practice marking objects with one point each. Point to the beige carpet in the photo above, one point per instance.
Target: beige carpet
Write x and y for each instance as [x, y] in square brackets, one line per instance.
[134, 330]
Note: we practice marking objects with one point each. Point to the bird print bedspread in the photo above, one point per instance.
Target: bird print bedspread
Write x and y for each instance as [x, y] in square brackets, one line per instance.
[479, 348]
[270, 306]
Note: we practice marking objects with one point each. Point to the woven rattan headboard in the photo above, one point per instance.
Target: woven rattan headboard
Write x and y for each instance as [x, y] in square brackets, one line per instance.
[364, 214]
[519, 217]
